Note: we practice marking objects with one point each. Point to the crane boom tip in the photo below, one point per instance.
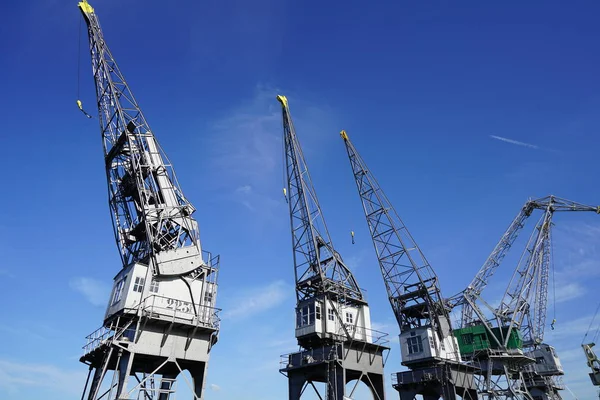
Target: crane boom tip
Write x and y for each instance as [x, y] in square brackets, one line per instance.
[283, 100]
[344, 135]
[85, 7]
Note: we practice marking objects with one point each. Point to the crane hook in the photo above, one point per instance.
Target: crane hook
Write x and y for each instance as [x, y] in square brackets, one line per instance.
[82, 110]
[352, 234]
[285, 195]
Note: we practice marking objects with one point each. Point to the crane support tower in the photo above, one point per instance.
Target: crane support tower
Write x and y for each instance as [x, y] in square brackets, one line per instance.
[427, 344]
[333, 322]
[161, 317]
[508, 340]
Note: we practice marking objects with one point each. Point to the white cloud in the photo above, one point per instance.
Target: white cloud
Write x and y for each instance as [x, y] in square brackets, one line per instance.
[569, 329]
[96, 292]
[7, 273]
[246, 189]
[353, 262]
[14, 376]
[247, 146]
[569, 291]
[214, 387]
[256, 300]
[515, 142]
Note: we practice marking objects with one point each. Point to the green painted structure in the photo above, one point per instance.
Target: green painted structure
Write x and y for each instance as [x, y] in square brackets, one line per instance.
[476, 338]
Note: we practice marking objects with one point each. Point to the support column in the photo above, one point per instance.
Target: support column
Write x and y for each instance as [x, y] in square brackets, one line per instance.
[375, 383]
[124, 368]
[337, 382]
[198, 379]
[295, 385]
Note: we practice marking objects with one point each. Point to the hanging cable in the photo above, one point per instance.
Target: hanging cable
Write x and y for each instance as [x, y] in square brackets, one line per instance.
[79, 105]
[591, 323]
[595, 338]
[572, 394]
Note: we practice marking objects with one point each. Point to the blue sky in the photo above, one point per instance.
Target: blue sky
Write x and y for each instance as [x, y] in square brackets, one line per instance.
[420, 88]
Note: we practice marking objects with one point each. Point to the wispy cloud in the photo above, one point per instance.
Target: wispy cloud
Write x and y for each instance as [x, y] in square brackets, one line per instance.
[246, 147]
[96, 292]
[215, 388]
[6, 273]
[15, 376]
[515, 142]
[575, 328]
[569, 291]
[256, 300]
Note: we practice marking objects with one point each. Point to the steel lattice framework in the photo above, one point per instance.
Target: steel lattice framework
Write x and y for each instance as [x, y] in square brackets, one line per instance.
[535, 267]
[161, 317]
[523, 307]
[319, 268]
[402, 263]
[149, 211]
[415, 296]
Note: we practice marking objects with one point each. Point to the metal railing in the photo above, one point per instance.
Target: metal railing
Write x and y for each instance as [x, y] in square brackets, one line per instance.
[325, 353]
[159, 307]
[97, 338]
[175, 310]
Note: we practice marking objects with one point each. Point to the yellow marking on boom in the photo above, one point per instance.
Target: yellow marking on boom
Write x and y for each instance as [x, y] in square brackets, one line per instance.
[283, 100]
[85, 7]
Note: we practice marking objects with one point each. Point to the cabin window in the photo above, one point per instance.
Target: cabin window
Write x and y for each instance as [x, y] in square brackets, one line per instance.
[318, 311]
[118, 291]
[153, 286]
[305, 316]
[540, 360]
[208, 297]
[331, 314]
[468, 338]
[138, 285]
[349, 318]
[415, 345]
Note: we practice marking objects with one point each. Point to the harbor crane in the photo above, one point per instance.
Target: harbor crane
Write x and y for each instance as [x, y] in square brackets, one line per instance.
[427, 344]
[587, 345]
[333, 322]
[507, 341]
[161, 317]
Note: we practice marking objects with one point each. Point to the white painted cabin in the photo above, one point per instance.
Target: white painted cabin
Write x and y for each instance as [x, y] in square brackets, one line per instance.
[422, 343]
[316, 317]
[166, 298]
[546, 361]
